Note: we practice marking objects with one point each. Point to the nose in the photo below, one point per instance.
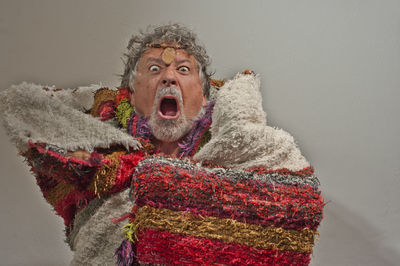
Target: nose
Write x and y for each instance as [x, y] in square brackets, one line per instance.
[168, 79]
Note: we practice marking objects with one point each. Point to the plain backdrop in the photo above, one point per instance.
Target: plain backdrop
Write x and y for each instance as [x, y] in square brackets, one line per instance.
[330, 75]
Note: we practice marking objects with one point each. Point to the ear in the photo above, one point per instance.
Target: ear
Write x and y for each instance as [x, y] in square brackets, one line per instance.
[204, 101]
[132, 96]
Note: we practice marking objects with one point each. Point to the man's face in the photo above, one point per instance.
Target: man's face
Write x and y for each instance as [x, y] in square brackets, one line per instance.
[183, 99]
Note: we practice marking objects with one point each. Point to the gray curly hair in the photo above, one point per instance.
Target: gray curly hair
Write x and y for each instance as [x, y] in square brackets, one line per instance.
[170, 33]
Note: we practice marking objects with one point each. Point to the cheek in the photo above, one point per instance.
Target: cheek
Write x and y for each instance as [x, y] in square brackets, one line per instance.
[193, 100]
[143, 97]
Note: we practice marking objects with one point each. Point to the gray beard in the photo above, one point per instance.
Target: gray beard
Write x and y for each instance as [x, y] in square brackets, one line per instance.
[170, 130]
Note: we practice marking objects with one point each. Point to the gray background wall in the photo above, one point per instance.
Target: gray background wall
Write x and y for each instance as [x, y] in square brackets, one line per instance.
[330, 76]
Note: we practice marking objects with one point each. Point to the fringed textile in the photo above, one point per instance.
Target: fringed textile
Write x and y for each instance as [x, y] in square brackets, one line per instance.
[70, 184]
[200, 126]
[123, 112]
[105, 177]
[101, 96]
[190, 250]
[274, 211]
[181, 185]
[125, 254]
[226, 230]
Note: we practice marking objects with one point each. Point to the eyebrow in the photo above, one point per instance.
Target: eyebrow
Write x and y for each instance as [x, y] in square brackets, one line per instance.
[161, 62]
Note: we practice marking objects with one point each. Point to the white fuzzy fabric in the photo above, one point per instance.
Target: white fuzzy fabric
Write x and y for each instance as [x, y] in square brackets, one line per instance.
[97, 240]
[55, 117]
[240, 135]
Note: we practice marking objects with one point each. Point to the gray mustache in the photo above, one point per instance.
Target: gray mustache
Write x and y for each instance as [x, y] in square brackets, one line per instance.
[169, 91]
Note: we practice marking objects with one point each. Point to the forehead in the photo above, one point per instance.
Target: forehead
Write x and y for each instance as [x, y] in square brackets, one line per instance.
[156, 53]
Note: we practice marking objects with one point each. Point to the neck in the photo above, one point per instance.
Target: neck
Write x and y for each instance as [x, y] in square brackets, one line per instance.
[167, 148]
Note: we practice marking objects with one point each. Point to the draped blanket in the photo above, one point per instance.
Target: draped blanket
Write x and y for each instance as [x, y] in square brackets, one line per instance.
[188, 214]
[247, 196]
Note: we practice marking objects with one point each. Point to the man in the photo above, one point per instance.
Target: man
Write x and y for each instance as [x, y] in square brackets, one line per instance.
[185, 211]
[167, 75]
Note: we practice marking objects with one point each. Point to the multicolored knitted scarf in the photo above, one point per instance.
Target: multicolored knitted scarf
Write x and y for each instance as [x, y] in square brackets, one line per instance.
[188, 214]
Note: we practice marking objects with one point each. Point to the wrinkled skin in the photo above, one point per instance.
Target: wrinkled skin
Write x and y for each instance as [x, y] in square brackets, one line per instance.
[153, 73]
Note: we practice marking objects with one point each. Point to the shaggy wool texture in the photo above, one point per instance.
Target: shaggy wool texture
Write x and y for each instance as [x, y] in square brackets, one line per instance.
[97, 240]
[240, 135]
[49, 115]
[273, 214]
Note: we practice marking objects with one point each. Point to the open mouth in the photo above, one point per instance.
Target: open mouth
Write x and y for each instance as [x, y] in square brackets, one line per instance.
[168, 108]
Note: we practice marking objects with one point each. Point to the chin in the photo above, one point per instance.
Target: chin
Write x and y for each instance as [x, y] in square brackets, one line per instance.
[169, 130]
[168, 121]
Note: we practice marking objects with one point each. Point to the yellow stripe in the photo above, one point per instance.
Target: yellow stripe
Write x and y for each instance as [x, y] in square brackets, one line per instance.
[101, 96]
[58, 193]
[226, 230]
[105, 177]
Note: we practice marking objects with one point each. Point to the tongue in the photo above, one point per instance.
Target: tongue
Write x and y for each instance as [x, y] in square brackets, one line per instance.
[168, 107]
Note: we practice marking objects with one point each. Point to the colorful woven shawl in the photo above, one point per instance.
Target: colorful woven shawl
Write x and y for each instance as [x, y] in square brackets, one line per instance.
[188, 214]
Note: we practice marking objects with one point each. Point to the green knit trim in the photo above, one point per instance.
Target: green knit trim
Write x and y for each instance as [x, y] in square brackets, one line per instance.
[123, 113]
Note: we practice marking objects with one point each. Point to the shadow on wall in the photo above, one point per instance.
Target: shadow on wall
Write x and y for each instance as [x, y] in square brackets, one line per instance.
[348, 239]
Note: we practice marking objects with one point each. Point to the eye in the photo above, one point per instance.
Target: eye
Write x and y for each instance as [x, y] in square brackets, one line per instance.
[184, 69]
[154, 68]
